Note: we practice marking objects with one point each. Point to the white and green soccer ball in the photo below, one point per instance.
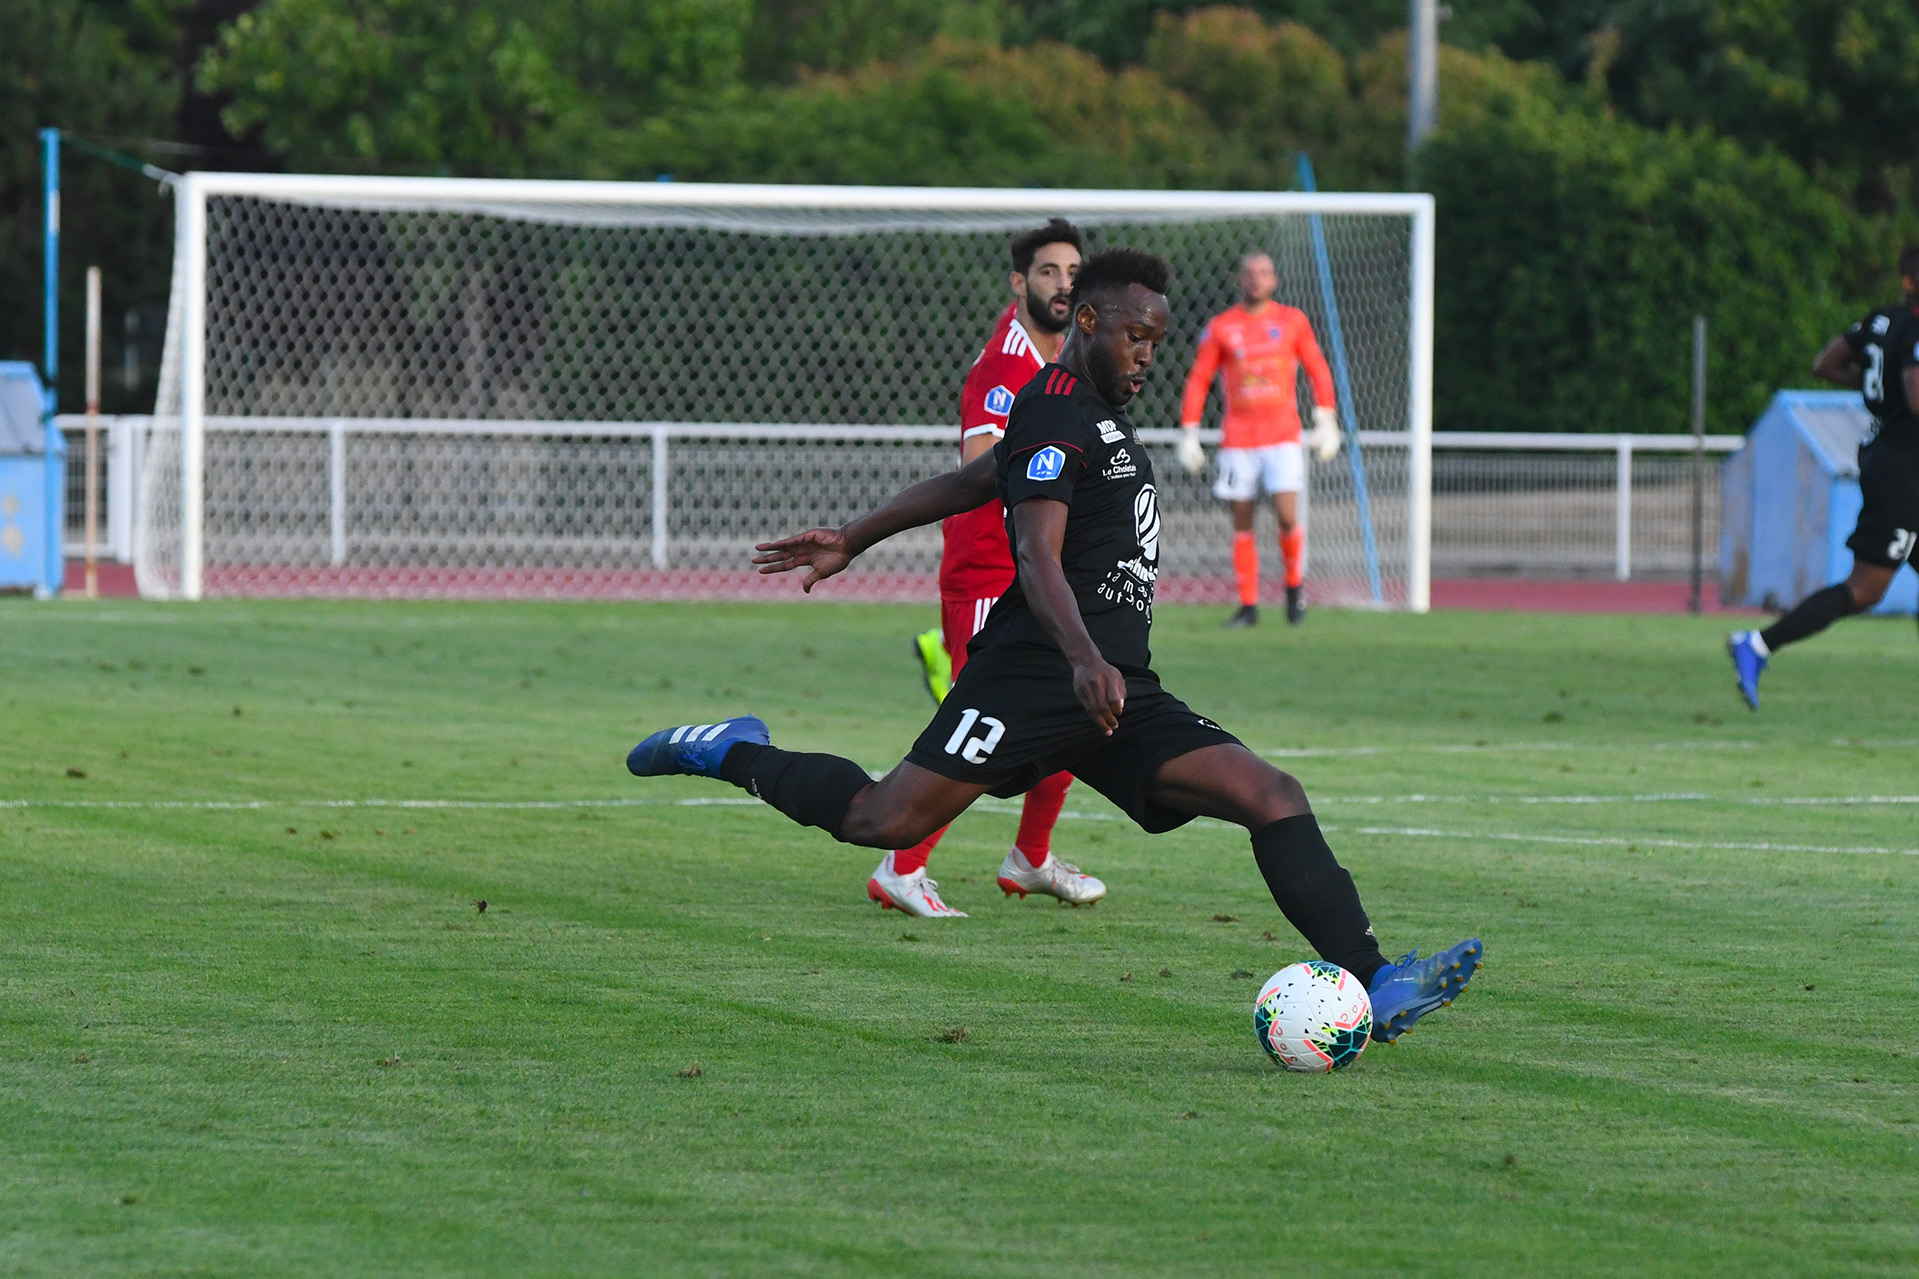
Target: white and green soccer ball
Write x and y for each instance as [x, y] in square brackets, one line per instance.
[1313, 1017]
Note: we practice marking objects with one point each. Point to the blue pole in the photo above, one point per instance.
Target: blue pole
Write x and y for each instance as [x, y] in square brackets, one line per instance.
[53, 443]
[50, 264]
[1343, 384]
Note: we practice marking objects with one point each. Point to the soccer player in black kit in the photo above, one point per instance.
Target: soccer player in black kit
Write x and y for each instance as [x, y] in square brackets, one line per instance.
[1061, 677]
[1879, 358]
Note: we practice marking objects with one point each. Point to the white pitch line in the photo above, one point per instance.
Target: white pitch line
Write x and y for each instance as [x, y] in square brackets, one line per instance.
[1616, 841]
[991, 806]
[1671, 797]
[987, 805]
[218, 805]
[1475, 748]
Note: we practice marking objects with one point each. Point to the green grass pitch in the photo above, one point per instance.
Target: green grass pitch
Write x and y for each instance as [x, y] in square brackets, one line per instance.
[248, 1027]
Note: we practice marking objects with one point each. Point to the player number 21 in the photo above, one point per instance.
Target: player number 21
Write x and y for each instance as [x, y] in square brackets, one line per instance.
[975, 750]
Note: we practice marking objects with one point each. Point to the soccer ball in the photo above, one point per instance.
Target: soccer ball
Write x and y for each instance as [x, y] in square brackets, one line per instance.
[1313, 1017]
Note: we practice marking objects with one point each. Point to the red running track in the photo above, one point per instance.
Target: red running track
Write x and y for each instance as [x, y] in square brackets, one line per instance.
[1483, 594]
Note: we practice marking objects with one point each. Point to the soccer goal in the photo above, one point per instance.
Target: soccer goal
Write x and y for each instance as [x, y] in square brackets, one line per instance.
[424, 386]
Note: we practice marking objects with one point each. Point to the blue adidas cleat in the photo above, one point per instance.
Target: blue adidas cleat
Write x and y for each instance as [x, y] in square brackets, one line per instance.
[694, 750]
[1402, 993]
[1747, 662]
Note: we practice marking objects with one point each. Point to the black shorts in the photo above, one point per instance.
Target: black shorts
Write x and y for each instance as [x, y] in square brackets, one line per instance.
[1888, 525]
[1012, 720]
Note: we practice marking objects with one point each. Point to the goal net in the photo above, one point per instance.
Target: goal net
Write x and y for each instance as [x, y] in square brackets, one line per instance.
[416, 386]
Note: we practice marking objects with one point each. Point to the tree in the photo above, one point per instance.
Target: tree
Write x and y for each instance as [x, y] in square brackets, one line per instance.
[502, 86]
[76, 69]
[1574, 250]
[959, 113]
[789, 37]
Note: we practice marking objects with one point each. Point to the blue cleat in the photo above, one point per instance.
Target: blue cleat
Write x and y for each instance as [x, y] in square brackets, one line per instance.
[1402, 993]
[694, 750]
[1747, 662]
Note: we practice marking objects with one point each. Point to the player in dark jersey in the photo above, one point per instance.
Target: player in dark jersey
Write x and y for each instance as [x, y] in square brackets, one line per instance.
[1061, 675]
[1879, 358]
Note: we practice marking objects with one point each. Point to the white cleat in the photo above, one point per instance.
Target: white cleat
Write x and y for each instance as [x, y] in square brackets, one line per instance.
[912, 894]
[1052, 877]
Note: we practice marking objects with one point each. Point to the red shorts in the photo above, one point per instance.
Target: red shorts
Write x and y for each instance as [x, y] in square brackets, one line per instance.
[960, 621]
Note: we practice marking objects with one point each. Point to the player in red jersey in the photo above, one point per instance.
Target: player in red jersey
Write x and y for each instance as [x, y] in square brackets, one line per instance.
[976, 567]
[1261, 346]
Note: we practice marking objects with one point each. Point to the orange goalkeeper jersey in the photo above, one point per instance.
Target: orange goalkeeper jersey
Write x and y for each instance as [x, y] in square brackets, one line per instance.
[1260, 353]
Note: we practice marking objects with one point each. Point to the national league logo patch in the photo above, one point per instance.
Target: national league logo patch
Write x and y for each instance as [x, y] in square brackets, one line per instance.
[999, 401]
[1046, 464]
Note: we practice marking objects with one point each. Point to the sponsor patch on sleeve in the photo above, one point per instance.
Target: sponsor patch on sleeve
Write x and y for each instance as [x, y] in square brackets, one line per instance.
[1046, 464]
[999, 401]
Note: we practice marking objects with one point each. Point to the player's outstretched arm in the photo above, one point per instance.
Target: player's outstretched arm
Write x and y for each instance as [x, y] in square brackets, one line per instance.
[1840, 363]
[825, 551]
[1039, 529]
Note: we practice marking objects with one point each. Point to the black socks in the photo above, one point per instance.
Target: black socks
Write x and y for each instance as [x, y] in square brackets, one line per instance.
[1810, 616]
[813, 790]
[1315, 893]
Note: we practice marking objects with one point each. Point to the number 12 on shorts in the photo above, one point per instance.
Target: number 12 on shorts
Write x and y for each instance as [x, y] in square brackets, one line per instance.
[975, 750]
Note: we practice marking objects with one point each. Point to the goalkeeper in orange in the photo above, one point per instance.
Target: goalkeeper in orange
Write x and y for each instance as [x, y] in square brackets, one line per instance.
[1260, 345]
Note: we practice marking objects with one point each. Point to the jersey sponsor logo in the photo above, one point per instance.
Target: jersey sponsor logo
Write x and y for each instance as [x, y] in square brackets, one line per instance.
[1272, 331]
[974, 750]
[1109, 432]
[1881, 323]
[1130, 583]
[1120, 465]
[1146, 523]
[999, 401]
[1046, 464]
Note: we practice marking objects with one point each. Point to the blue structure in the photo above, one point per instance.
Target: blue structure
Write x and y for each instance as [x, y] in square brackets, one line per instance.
[33, 485]
[1789, 499]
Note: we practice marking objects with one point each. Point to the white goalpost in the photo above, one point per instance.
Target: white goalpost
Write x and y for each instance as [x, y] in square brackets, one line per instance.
[426, 386]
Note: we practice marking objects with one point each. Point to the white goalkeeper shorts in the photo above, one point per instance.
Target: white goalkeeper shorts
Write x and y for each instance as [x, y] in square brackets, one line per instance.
[1277, 468]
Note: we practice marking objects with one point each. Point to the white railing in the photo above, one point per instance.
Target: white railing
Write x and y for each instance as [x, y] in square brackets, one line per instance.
[1568, 505]
[1544, 505]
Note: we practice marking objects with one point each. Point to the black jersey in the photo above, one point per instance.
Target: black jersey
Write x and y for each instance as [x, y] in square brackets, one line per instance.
[1064, 442]
[1886, 344]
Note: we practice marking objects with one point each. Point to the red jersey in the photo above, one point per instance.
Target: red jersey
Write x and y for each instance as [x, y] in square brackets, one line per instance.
[1261, 354]
[977, 562]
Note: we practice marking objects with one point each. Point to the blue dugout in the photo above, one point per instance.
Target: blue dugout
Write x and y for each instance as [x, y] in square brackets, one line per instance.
[33, 485]
[1789, 499]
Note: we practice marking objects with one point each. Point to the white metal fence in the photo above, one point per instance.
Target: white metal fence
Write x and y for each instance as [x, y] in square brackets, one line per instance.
[1569, 506]
[369, 506]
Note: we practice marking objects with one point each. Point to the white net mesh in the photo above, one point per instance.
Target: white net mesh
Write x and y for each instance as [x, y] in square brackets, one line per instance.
[410, 394]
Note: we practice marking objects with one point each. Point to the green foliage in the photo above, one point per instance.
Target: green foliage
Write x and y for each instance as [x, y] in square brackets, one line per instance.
[1575, 249]
[1118, 31]
[964, 113]
[505, 87]
[1832, 83]
[844, 35]
[81, 67]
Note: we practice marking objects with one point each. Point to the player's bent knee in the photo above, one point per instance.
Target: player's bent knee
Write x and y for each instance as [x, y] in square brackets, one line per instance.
[870, 827]
[1868, 590]
[1282, 796]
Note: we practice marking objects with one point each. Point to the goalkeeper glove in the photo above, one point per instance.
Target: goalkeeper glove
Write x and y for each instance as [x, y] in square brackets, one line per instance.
[1191, 455]
[1325, 440]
